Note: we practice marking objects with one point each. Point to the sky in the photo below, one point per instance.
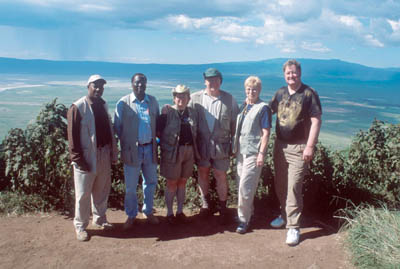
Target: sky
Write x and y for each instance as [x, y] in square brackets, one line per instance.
[201, 31]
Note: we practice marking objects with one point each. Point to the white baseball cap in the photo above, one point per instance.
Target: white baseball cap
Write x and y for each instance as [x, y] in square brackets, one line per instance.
[94, 78]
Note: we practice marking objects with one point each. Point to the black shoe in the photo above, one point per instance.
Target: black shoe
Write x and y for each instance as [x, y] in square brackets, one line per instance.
[171, 219]
[204, 213]
[223, 218]
[181, 218]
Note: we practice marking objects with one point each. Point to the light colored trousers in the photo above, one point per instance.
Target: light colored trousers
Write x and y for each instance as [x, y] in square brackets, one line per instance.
[92, 190]
[289, 173]
[248, 176]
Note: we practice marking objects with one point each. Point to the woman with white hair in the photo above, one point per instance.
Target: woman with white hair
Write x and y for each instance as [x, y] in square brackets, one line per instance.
[250, 145]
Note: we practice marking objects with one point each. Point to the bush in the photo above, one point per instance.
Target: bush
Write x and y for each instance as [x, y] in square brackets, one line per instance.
[37, 160]
[4, 181]
[374, 163]
[12, 203]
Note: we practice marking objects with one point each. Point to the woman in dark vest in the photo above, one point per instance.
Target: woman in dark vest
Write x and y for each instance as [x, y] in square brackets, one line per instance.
[177, 129]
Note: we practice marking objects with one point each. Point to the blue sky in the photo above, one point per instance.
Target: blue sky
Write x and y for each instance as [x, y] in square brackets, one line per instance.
[201, 31]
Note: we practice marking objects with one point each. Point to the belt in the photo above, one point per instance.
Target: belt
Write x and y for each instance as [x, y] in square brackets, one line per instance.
[145, 144]
[186, 144]
[103, 146]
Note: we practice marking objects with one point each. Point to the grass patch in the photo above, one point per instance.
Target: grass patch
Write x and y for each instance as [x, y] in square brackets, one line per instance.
[19, 204]
[373, 236]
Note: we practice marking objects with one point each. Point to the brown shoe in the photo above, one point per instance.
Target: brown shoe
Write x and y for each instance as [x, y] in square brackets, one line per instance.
[82, 235]
[151, 219]
[129, 224]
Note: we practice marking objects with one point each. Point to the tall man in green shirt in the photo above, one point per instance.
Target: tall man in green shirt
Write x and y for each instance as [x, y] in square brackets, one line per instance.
[298, 122]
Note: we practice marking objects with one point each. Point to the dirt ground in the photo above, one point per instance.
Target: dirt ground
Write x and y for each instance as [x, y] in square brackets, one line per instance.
[48, 241]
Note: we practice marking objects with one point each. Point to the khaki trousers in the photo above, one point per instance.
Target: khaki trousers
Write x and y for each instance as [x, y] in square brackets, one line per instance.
[289, 173]
[92, 190]
[247, 180]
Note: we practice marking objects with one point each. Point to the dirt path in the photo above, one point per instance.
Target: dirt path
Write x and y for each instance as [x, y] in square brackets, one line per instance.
[48, 241]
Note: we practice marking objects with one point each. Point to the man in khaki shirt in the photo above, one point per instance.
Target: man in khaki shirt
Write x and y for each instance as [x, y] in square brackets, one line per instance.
[217, 111]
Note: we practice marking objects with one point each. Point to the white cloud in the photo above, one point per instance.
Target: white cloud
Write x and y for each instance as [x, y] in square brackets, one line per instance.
[370, 39]
[395, 25]
[232, 39]
[188, 23]
[317, 47]
[94, 7]
[350, 21]
[286, 25]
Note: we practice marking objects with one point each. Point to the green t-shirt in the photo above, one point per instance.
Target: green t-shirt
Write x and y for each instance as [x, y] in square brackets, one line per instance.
[294, 113]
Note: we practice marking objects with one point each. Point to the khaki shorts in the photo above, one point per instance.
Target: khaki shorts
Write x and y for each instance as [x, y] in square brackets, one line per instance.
[221, 164]
[183, 168]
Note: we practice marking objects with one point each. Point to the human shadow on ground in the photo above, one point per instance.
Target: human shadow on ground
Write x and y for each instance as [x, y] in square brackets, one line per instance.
[195, 227]
[198, 227]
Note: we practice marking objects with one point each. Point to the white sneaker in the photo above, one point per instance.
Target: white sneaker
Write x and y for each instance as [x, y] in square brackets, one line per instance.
[82, 235]
[278, 222]
[293, 236]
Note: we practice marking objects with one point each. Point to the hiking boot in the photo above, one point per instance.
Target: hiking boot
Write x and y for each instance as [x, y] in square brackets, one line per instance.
[82, 235]
[151, 218]
[104, 226]
[129, 224]
[171, 219]
[293, 236]
[242, 228]
[223, 218]
[181, 218]
[278, 222]
[204, 213]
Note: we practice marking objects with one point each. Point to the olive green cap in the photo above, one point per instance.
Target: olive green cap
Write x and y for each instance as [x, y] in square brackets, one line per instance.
[212, 72]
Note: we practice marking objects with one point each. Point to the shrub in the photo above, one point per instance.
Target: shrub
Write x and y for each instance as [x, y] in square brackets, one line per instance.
[12, 203]
[37, 159]
[374, 162]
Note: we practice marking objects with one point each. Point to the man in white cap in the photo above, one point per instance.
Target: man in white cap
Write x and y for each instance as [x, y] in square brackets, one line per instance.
[92, 149]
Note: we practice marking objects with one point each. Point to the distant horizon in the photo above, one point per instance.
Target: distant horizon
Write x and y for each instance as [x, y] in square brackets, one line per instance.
[206, 63]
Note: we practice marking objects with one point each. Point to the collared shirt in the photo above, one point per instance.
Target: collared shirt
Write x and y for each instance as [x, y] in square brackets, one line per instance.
[143, 112]
[212, 106]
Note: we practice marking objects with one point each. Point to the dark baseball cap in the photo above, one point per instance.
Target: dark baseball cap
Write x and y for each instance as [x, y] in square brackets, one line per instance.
[212, 72]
